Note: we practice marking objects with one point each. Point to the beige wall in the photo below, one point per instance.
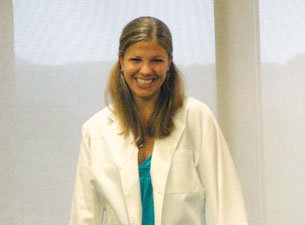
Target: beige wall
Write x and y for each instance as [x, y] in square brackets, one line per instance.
[8, 194]
[239, 94]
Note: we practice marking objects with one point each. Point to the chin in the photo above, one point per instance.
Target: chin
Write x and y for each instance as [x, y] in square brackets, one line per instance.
[147, 97]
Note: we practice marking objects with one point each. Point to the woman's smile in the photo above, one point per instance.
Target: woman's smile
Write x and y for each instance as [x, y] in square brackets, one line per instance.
[144, 82]
[145, 65]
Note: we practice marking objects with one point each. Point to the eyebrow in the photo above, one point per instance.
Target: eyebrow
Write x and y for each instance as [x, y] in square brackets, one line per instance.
[156, 56]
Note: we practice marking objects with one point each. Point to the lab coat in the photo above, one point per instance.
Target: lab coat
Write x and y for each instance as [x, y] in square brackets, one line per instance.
[193, 175]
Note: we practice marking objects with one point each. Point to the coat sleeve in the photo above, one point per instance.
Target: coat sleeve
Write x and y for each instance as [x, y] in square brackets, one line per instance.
[86, 206]
[223, 194]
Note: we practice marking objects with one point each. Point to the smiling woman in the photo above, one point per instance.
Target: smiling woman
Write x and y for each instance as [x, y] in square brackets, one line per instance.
[144, 85]
[153, 156]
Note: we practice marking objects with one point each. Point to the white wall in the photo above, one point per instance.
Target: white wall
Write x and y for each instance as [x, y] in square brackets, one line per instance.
[283, 91]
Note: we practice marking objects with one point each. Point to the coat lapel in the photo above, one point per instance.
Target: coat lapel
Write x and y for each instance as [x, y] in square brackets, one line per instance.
[163, 152]
[125, 155]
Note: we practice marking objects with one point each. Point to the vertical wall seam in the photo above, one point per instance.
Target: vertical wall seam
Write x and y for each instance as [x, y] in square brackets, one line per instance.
[226, 22]
[259, 107]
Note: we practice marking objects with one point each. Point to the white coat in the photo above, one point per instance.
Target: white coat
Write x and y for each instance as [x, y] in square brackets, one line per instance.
[191, 167]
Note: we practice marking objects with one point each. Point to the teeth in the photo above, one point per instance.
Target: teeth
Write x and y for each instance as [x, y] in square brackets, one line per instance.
[141, 81]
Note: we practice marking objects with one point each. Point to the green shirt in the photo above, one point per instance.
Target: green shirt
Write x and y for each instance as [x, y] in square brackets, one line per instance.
[146, 193]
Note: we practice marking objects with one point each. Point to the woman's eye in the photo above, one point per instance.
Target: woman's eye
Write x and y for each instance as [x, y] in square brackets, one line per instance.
[157, 60]
[135, 59]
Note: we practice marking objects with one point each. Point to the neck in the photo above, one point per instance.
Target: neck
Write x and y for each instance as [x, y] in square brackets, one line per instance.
[145, 108]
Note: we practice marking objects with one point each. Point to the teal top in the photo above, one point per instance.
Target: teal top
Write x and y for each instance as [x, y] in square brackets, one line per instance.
[146, 193]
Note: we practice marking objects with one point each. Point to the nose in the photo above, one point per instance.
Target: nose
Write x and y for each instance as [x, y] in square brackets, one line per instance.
[146, 68]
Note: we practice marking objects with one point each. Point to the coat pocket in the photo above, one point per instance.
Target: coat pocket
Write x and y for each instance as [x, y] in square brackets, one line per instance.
[182, 177]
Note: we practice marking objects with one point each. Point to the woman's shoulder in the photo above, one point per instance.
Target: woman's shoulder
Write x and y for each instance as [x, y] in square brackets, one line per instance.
[102, 118]
[193, 111]
[193, 105]
[196, 113]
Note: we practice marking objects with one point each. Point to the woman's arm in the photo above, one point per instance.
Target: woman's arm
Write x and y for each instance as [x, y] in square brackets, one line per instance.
[86, 206]
[223, 192]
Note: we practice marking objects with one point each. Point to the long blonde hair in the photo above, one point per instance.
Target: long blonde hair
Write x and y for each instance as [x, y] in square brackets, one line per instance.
[171, 95]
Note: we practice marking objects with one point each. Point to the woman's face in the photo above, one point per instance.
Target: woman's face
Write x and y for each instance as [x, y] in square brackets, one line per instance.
[145, 65]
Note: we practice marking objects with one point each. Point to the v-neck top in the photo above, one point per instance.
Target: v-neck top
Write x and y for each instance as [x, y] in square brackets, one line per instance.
[146, 193]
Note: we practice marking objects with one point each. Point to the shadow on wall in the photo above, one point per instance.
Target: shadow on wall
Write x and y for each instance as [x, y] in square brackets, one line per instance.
[284, 97]
[284, 142]
[52, 104]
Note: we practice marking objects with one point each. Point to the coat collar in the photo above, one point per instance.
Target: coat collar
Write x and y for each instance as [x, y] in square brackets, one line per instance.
[125, 154]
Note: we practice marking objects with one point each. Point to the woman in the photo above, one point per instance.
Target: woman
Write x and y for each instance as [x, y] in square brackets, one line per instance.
[153, 156]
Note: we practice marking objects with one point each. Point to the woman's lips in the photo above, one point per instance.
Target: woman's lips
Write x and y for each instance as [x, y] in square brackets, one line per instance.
[144, 81]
